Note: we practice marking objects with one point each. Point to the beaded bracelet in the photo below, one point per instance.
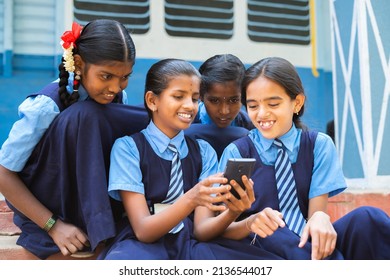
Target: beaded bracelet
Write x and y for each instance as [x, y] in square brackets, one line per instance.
[50, 223]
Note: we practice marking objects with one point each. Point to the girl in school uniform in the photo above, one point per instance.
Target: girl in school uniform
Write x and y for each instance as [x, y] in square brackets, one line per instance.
[220, 93]
[220, 119]
[156, 225]
[274, 97]
[84, 73]
[97, 62]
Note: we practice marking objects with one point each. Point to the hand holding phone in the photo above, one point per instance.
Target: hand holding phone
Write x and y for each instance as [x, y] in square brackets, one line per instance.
[236, 168]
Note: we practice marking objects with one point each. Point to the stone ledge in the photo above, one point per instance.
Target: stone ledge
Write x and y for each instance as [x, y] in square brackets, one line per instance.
[345, 202]
[9, 233]
[7, 227]
[10, 251]
[338, 206]
[8, 242]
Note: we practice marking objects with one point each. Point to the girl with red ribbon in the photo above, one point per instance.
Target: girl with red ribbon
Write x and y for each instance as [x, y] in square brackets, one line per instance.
[97, 62]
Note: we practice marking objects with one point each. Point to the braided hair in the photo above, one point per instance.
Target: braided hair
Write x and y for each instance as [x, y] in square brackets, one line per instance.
[100, 41]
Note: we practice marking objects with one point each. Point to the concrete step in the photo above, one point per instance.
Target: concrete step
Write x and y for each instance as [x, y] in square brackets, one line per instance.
[344, 203]
[10, 251]
[338, 206]
[9, 233]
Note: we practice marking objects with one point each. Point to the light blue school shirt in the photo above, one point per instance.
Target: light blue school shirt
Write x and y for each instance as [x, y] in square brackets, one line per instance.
[327, 174]
[125, 172]
[36, 113]
[204, 116]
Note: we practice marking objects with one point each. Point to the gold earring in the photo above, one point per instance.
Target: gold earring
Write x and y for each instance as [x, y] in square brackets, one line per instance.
[297, 112]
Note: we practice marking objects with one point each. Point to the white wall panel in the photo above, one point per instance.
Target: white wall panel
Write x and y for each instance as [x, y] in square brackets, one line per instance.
[34, 27]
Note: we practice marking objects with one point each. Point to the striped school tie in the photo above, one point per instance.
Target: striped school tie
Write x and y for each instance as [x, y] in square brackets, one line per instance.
[175, 185]
[287, 193]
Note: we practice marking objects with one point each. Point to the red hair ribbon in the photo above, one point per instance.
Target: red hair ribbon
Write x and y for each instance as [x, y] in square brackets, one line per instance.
[70, 37]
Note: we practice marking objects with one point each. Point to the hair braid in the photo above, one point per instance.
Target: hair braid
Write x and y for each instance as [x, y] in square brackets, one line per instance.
[66, 98]
[118, 46]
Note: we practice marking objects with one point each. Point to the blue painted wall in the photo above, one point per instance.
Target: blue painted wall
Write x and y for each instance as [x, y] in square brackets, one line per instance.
[319, 105]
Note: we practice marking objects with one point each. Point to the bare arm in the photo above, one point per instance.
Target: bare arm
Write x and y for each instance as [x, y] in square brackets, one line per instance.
[149, 228]
[264, 223]
[21, 198]
[207, 225]
[68, 237]
[320, 228]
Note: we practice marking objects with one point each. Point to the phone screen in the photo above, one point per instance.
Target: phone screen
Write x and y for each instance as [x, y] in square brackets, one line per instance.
[236, 168]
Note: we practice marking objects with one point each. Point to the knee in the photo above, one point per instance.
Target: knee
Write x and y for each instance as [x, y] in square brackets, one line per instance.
[365, 213]
[369, 210]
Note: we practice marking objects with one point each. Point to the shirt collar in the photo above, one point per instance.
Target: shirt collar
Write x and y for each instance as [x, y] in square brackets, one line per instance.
[288, 139]
[83, 95]
[204, 116]
[161, 141]
[264, 142]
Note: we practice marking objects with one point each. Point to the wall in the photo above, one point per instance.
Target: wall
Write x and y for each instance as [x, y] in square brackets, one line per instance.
[361, 79]
[40, 23]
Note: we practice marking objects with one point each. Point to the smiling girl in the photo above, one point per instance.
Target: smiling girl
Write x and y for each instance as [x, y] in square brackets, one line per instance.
[157, 226]
[274, 96]
[97, 62]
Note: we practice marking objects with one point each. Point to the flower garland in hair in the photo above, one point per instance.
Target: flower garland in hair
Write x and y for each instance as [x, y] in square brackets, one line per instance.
[68, 43]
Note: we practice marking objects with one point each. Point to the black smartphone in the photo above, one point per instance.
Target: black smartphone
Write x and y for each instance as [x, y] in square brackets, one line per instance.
[236, 168]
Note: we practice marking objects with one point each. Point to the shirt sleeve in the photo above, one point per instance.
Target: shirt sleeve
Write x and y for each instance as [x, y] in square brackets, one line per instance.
[125, 99]
[209, 159]
[125, 172]
[231, 151]
[35, 116]
[327, 176]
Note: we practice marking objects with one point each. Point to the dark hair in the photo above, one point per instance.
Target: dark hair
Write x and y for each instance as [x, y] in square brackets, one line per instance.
[100, 41]
[280, 71]
[162, 72]
[220, 69]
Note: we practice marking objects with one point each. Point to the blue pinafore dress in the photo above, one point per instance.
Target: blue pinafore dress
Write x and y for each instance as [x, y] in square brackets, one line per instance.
[68, 171]
[362, 234]
[156, 177]
[283, 242]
